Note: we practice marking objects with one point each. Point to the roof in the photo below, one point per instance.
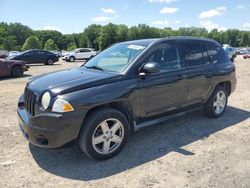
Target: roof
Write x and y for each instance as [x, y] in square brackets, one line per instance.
[142, 42]
[146, 42]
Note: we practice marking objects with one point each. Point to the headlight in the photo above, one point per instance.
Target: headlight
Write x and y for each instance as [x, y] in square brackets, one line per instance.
[45, 100]
[61, 105]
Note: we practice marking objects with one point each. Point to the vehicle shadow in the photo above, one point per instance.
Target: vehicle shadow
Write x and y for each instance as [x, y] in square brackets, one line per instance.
[145, 145]
[42, 65]
[12, 78]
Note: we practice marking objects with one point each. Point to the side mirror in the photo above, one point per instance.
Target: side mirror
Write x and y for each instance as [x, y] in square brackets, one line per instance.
[150, 68]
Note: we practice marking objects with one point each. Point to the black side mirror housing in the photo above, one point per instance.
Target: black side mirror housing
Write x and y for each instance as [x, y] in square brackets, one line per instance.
[150, 68]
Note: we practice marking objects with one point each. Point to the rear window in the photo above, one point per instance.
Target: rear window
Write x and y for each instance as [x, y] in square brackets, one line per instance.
[216, 54]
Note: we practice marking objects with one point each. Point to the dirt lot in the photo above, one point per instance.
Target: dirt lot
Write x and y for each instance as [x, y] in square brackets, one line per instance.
[193, 151]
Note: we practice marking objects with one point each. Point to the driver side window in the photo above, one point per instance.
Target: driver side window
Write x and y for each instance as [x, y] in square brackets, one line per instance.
[167, 57]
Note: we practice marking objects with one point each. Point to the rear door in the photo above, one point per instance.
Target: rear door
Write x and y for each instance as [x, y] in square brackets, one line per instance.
[40, 56]
[167, 90]
[199, 71]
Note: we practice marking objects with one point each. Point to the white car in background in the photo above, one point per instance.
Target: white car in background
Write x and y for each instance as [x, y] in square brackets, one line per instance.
[79, 54]
[14, 53]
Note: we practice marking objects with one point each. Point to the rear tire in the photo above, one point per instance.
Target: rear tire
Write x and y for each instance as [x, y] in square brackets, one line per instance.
[104, 134]
[17, 71]
[217, 103]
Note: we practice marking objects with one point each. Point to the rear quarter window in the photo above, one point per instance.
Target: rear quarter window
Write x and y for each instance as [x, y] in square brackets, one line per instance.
[216, 54]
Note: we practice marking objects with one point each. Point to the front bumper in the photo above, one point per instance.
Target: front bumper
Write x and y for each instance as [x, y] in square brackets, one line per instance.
[65, 58]
[49, 130]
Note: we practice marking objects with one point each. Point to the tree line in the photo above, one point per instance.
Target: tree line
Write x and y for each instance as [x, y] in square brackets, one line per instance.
[15, 36]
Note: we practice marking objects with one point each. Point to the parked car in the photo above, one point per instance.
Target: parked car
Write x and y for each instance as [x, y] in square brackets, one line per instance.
[240, 52]
[3, 54]
[100, 103]
[230, 51]
[79, 54]
[13, 68]
[58, 53]
[13, 53]
[247, 55]
[37, 56]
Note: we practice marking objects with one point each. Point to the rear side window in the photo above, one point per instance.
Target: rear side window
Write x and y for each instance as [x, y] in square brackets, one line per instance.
[194, 55]
[216, 54]
[84, 50]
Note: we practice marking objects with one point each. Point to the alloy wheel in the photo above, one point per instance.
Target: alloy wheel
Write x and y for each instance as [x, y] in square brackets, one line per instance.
[219, 102]
[108, 136]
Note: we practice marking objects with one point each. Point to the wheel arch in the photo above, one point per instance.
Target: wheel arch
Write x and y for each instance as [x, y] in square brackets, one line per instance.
[13, 66]
[226, 85]
[122, 106]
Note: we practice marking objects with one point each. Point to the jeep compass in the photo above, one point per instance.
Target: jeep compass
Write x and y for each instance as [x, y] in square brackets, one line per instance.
[126, 87]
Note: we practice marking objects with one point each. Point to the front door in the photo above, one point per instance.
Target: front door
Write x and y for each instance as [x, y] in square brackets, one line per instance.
[167, 90]
[28, 57]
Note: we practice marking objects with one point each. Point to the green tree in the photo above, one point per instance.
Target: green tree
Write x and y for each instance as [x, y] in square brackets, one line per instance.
[92, 34]
[50, 45]
[71, 46]
[133, 33]
[21, 32]
[56, 36]
[108, 36]
[31, 42]
[122, 33]
[245, 39]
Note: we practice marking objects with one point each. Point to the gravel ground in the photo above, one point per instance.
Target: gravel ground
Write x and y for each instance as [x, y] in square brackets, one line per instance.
[192, 151]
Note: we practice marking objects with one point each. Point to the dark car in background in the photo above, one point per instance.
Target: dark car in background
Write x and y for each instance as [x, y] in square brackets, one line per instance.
[37, 56]
[124, 88]
[13, 68]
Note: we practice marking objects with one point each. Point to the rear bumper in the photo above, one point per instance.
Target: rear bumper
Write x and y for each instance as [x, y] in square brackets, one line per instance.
[49, 130]
[233, 85]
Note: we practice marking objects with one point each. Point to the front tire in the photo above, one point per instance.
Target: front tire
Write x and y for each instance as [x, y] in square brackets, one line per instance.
[17, 71]
[49, 62]
[232, 59]
[104, 134]
[71, 58]
[217, 103]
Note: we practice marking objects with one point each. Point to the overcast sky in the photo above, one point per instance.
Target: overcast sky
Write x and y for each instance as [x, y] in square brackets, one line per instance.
[74, 15]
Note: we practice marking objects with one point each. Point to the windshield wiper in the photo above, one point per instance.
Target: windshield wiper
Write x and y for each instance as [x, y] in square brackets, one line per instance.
[95, 67]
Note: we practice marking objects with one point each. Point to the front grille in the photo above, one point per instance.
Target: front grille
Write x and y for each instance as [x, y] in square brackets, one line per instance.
[29, 101]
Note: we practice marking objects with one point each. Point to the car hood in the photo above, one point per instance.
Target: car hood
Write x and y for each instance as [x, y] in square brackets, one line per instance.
[70, 80]
[69, 53]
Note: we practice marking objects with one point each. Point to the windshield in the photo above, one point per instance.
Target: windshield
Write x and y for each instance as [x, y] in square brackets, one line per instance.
[116, 58]
[74, 50]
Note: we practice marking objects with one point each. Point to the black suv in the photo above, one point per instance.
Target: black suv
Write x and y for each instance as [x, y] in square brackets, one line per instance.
[37, 56]
[124, 88]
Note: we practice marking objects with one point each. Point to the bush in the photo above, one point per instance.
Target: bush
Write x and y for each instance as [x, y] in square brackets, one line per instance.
[31, 42]
[71, 46]
[50, 45]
